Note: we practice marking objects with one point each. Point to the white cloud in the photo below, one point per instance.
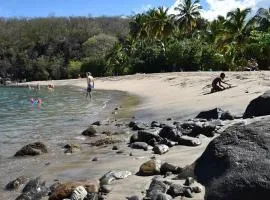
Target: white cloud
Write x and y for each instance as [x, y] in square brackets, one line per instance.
[222, 7]
[143, 8]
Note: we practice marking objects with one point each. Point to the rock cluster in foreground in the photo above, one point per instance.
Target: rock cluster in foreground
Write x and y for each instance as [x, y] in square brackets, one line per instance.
[236, 165]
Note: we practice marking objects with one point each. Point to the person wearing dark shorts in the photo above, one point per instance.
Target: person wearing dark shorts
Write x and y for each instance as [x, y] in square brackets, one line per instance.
[216, 84]
[90, 84]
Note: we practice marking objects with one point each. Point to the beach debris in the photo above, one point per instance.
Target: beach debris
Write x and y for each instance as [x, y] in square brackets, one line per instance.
[79, 193]
[34, 189]
[66, 189]
[72, 148]
[161, 149]
[90, 131]
[189, 141]
[170, 133]
[110, 176]
[259, 106]
[139, 145]
[237, 161]
[17, 183]
[151, 167]
[32, 149]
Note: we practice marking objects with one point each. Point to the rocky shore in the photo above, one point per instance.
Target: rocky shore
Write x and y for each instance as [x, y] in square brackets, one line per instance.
[147, 160]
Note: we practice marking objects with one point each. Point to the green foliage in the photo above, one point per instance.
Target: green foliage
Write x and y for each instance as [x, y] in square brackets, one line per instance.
[74, 69]
[95, 65]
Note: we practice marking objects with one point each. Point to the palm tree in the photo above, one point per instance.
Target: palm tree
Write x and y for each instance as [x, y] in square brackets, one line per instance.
[138, 26]
[160, 23]
[234, 37]
[189, 12]
[262, 17]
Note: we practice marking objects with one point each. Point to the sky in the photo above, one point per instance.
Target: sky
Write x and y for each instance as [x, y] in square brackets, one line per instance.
[45, 8]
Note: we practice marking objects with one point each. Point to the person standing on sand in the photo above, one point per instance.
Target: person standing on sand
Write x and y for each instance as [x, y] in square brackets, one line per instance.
[90, 84]
[216, 84]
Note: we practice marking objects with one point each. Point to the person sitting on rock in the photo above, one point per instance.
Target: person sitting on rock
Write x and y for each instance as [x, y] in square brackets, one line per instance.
[216, 84]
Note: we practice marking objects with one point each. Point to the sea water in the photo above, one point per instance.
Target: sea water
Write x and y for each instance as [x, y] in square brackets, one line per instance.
[62, 115]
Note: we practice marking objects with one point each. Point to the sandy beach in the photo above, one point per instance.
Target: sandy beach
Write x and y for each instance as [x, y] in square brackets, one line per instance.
[178, 95]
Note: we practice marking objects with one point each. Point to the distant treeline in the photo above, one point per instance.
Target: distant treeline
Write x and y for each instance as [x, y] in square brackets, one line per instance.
[48, 48]
[154, 41]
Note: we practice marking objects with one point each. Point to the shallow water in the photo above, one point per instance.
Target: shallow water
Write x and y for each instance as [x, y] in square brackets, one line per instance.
[63, 114]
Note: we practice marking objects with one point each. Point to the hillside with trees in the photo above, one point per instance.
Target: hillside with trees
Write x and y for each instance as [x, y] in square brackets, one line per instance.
[149, 42]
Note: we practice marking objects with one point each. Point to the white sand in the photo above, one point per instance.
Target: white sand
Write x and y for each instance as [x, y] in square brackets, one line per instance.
[177, 95]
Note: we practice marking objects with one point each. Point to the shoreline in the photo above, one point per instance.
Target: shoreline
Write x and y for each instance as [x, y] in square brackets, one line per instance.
[175, 95]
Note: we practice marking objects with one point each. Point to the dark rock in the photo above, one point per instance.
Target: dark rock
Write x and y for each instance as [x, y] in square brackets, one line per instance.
[236, 165]
[54, 186]
[138, 126]
[188, 124]
[188, 193]
[215, 113]
[145, 136]
[95, 159]
[227, 116]
[139, 145]
[259, 106]
[131, 124]
[156, 188]
[71, 148]
[169, 119]
[155, 124]
[35, 189]
[120, 152]
[170, 133]
[115, 147]
[33, 149]
[106, 188]
[189, 141]
[151, 167]
[176, 190]
[17, 183]
[161, 149]
[91, 132]
[168, 167]
[171, 143]
[196, 189]
[206, 129]
[189, 181]
[97, 123]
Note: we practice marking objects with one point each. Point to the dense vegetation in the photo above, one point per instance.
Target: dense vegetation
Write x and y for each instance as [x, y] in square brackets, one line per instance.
[154, 41]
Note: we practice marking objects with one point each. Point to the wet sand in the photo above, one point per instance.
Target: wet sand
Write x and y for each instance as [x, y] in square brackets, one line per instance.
[178, 95]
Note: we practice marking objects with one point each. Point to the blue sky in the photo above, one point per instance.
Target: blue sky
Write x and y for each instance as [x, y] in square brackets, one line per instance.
[44, 8]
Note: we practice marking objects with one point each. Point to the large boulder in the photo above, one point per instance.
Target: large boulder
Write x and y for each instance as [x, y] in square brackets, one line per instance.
[259, 106]
[236, 165]
[33, 149]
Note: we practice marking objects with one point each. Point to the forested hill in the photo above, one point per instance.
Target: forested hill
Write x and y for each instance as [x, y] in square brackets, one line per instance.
[43, 48]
